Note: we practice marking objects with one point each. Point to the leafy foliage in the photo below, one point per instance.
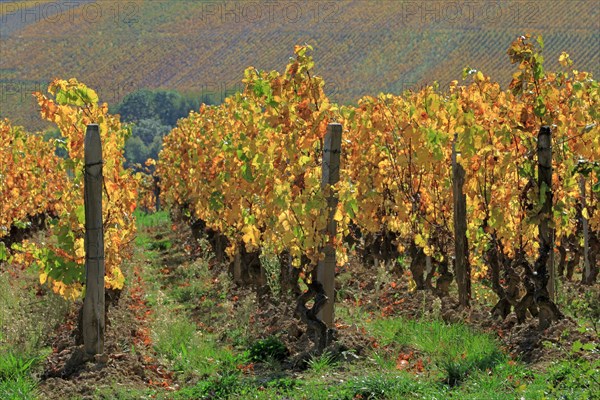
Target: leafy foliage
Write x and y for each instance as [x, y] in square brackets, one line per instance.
[250, 168]
[264, 349]
[61, 260]
[28, 182]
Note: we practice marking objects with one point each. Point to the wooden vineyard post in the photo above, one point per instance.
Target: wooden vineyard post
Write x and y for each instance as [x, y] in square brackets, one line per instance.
[331, 175]
[156, 181]
[543, 269]
[461, 247]
[544, 151]
[93, 304]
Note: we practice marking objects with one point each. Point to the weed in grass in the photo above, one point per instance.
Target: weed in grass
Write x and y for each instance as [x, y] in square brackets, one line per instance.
[222, 387]
[190, 282]
[587, 308]
[15, 378]
[264, 349]
[285, 384]
[270, 264]
[506, 381]
[575, 376]
[237, 321]
[117, 391]
[23, 337]
[13, 365]
[142, 240]
[275, 389]
[322, 363]
[190, 352]
[18, 388]
[24, 334]
[383, 362]
[161, 245]
[380, 386]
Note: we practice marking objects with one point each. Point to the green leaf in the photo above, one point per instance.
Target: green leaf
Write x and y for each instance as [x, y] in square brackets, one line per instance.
[216, 200]
[87, 95]
[540, 107]
[538, 68]
[80, 212]
[351, 207]
[540, 41]
[577, 345]
[589, 346]
[3, 252]
[21, 224]
[247, 172]
[241, 155]
[303, 160]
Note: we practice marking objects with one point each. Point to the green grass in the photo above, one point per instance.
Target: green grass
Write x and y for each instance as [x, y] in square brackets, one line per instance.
[323, 363]
[188, 283]
[144, 220]
[222, 387]
[177, 340]
[16, 381]
[454, 349]
[199, 334]
[26, 320]
[21, 387]
[188, 350]
[117, 391]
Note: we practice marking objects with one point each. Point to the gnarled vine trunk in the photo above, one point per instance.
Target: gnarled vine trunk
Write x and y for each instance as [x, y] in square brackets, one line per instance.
[316, 329]
[418, 265]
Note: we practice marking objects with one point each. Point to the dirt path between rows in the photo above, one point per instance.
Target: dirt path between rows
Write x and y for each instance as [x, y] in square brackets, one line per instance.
[129, 361]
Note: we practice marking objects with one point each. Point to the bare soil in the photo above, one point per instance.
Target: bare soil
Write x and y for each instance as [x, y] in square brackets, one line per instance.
[128, 360]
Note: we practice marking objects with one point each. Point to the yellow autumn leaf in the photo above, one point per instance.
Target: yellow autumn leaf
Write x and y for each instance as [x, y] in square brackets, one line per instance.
[420, 241]
[564, 59]
[116, 279]
[585, 213]
[411, 285]
[250, 235]
[43, 277]
[79, 248]
[338, 215]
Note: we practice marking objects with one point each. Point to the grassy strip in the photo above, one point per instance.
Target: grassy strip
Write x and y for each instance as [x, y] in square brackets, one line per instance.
[454, 349]
[457, 362]
[26, 319]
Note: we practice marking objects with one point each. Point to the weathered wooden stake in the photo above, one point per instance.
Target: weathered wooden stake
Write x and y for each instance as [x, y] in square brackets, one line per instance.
[156, 181]
[586, 233]
[461, 247]
[93, 304]
[544, 152]
[237, 266]
[331, 175]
